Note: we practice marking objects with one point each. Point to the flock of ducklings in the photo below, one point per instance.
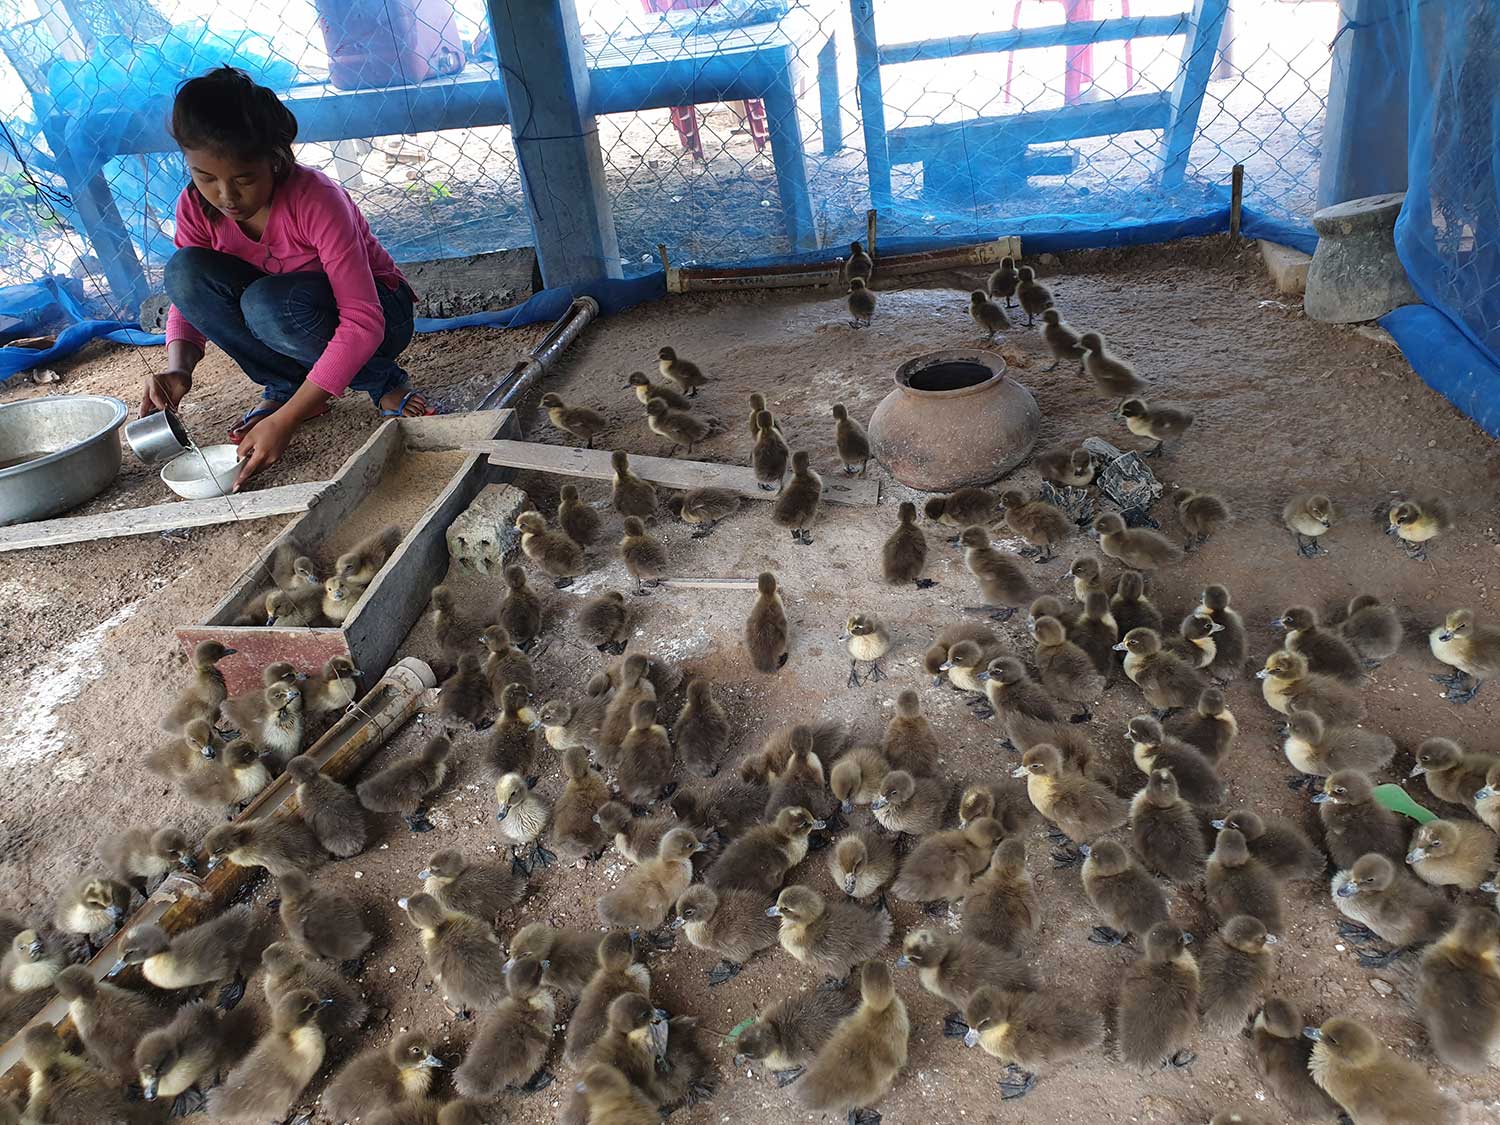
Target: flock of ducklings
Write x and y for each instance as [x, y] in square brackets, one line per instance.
[719, 863]
[298, 598]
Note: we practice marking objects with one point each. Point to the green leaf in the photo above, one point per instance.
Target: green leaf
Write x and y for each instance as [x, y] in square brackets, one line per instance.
[1398, 800]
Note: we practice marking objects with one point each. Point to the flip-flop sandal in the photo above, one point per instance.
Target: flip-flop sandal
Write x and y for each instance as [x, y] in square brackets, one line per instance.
[238, 431]
[400, 411]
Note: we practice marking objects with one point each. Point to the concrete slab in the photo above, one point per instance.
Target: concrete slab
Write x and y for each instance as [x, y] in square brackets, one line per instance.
[483, 537]
[1287, 267]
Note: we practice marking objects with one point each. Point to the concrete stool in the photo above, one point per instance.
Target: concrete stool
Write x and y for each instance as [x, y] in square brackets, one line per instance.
[1355, 274]
[483, 537]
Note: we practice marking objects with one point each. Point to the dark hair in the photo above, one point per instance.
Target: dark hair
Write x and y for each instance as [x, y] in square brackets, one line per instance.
[224, 111]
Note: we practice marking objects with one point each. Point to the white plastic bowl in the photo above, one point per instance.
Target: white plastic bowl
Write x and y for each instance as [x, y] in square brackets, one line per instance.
[187, 476]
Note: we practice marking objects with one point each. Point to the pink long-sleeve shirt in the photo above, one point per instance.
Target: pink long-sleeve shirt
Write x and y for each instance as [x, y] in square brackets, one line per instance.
[314, 225]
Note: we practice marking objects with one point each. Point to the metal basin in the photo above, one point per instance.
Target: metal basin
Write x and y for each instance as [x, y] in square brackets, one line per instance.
[57, 452]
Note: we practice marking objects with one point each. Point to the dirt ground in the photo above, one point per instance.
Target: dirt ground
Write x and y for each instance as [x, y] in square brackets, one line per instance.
[1281, 404]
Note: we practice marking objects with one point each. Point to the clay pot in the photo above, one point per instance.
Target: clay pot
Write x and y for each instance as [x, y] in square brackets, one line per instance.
[955, 418]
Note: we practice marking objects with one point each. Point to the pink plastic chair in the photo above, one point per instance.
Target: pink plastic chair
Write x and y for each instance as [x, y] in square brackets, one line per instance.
[1080, 59]
[685, 117]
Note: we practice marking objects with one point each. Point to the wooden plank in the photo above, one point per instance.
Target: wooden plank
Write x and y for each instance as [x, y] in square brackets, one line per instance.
[307, 650]
[952, 140]
[672, 472]
[871, 101]
[1186, 101]
[708, 583]
[284, 500]
[1077, 34]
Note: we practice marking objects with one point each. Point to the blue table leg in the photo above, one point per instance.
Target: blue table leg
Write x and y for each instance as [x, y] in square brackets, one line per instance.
[830, 111]
[104, 229]
[790, 160]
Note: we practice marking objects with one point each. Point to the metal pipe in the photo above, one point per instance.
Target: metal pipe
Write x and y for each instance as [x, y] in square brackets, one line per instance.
[527, 372]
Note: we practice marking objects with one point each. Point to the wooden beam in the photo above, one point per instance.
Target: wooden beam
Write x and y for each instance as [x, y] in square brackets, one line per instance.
[285, 500]
[708, 583]
[1027, 38]
[673, 472]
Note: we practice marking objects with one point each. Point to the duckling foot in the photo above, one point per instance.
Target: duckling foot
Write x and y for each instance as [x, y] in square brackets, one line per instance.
[764, 487]
[937, 681]
[1380, 960]
[1370, 665]
[1082, 717]
[418, 821]
[1162, 714]
[984, 711]
[613, 648]
[1103, 935]
[232, 993]
[875, 674]
[1353, 931]
[723, 972]
[352, 967]
[704, 532]
[1066, 857]
[864, 1117]
[1298, 781]
[785, 1078]
[541, 857]
[1007, 744]
[804, 537]
[1029, 552]
[300, 1119]
[1417, 553]
[1058, 836]
[954, 1026]
[937, 908]
[833, 984]
[190, 1101]
[1307, 546]
[538, 1081]
[1016, 1083]
[853, 680]
[518, 866]
[1453, 680]
[1154, 451]
[925, 583]
[660, 940]
[1182, 1059]
[562, 583]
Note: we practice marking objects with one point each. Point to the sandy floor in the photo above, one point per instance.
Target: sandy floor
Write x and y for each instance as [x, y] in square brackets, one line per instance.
[1281, 404]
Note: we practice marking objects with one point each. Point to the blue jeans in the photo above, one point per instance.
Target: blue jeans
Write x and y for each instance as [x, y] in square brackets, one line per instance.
[276, 325]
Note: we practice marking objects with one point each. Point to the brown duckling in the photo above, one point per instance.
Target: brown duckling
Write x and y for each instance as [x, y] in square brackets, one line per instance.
[1072, 466]
[1003, 281]
[858, 265]
[862, 862]
[1417, 522]
[1194, 641]
[646, 390]
[236, 774]
[851, 441]
[510, 1046]
[953, 968]
[766, 634]
[909, 742]
[462, 953]
[521, 816]
[829, 937]
[757, 404]
[91, 904]
[1289, 685]
[1326, 652]
[686, 374]
[1387, 901]
[187, 1053]
[944, 864]
[568, 957]
[645, 769]
[1157, 1010]
[963, 507]
[786, 1036]
[965, 665]
[1165, 679]
[731, 923]
[1063, 341]
[1210, 727]
[1160, 423]
[1066, 671]
[904, 555]
[1200, 513]
[505, 662]
[1319, 749]
[1453, 853]
[770, 454]
[1131, 606]
[646, 893]
[520, 611]
[608, 1098]
[287, 969]
[480, 889]
[404, 786]
[797, 506]
[284, 1061]
[225, 948]
[1026, 1029]
[915, 806]
[322, 921]
[1281, 1053]
[579, 421]
[760, 858]
[1470, 649]
[1079, 806]
[277, 843]
[1278, 843]
[1041, 524]
[1460, 992]
[867, 640]
[65, 1087]
[1152, 749]
[861, 302]
[511, 744]
[576, 724]
[1231, 646]
[1372, 629]
[576, 831]
[1370, 1081]
[1002, 583]
[332, 689]
[704, 508]
[701, 732]
[855, 778]
[142, 858]
[988, 314]
[1002, 907]
[1354, 823]
[1112, 375]
[465, 695]
[1096, 632]
[1029, 713]
[1235, 969]
[553, 552]
[630, 495]
[205, 691]
[1130, 901]
[1035, 297]
[450, 628]
[1166, 831]
[604, 622]
[937, 652]
[109, 1020]
[645, 558]
[859, 1062]
[1308, 516]
[1452, 773]
[617, 973]
[678, 426]
[185, 755]
[1136, 547]
[32, 961]
[360, 565]
[578, 520]
[271, 718]
[798, 781]
[380, 1076]
[340, 596]
[1238, 883]
[1003, 799]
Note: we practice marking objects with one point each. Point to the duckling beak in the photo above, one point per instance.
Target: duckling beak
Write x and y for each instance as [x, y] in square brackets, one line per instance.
[903, 962]
[740, 1060]
[116, 969]
[1121, 647]
[208, 752]
[848, 884]
[819, 824]
[1312, 1033]
[1217, 824]
[580, 1088]
[678, 922]
[403, 902]
[1085, 851]
[971, 1037]
[270, 620]
[1483, 794]
[502, 812]
[1187, 938]
[188, 862]
[846, 807]
[327, 1002]
[700, 846]
[595, 819]
[1416, 855]
[945, 665]
[773, 911]
[34, 950]
[1347, 890]
[535, 724]
[879, 803]
[1019, 771]
[429, 1061]
[214, 861]
[229, 652]
[115, 914]
[505, 968]
[1489, 887]
[1272, 939]
[658, 1031]
[148, 1089]
[1417, 770]
[1278, 623]
[1321, 798]
[425, 873]
[982, 677]
[1262, 674]
[1215, 628]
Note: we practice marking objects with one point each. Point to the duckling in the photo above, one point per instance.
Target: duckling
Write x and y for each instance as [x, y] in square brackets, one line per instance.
[188, 1053]
[520, 612]
[1072, 466]
[855, 778]
[1200, 513]
[205, 690]
[1136, 547]
[91, 904]
[1153, 749]
[1354, 823]
[509, 1048]
[109, 1020]
[731, 923]
[1096, 632]
[1003, 282]
[282, 609]
[1372, 629]
[1041, 524]
[943, 865]
[1460, 992]
[861, 1059]
[1318, 749]
[760, 858]
[1158, 1003]
[522, 816]
[646, 390]
[1022, 1028]
[400, 1071]
[1452, 774]
[477, 888]
[186, 755]
[284, 1061]
[287, 969]
[633, 685]
[1453, 853]
[937, 653]
[568, 957]
[757, 404]
[868, 639]
[1045, 605]
[1065, 343]
[609, 1098]
[1165, 830]
[340, 596]
[859, 266]
[1003, 799]
[1417, 522]
[363, 562]
[797, 506]
[770, 454]
[578, 521]
[322, 921]
[644, 557]
[862, 862]
[574, 724]
[1371, 1082]
[630, 495]
[1278, 843]
[1079, 806]
[963, 507]
[462, 953]
[800, 780]
[1002, 584]
[1002, 907]
[1194, 641]
[505, 663]
[278, 736]
[604, 622]
[987, 314]
[466, 695]
[861, 303]
[766, 633]
[617, 973]
[1210, 727]
[236, 774]
[1238, 883]
[678, 426]
[1066, 670]
[953, 968]
[1289, 685]
[645, 769]
[909, 742]
[1131, 606]
[1165, 679]
[915, 806]
[579, 421]
[1487, 799]
[647, 892]
[1029, 713]
[332, 689]
[1035, 297]
[829, 937]
[140, 857]
[1308, 516]
[686, 374]
[965, 664]
[786, 1036]
[450, 628]
[1130, 901]
[851, 441]
[511, 746]
[225, 948]
[66, 1088]
[1470, 649]
[1160, 423]
[404, 786]
[277, 843]
[1326, 652]
[553, 552]
[1231, 645]
[32, 961]
[1385, 900]
[1281, 1053]
[704, 508]
[1111, 375]
[576, 832]
[1235, 968]
[701, 732]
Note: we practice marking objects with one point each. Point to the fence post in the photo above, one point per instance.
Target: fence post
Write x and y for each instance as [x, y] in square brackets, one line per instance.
[871, 102]
[1198, 52]
[1364, 130]
[557, 140]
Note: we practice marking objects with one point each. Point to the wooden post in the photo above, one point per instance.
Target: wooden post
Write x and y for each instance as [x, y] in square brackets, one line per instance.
[1236, 199]
[546, 82]
[1364, 131]
[870, 231]
[1198, 52]
[871, 101]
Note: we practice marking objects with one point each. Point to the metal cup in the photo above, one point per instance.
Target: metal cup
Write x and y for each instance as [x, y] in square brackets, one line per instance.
[157, 437]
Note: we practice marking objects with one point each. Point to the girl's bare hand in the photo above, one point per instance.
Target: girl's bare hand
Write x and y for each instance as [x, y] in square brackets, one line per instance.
[164, 391]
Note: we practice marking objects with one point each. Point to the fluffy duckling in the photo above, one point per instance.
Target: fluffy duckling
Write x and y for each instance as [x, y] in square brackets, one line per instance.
[1157, 1010]
[1487, 799]
[965, 665]
[1166, 831]
[578, 421]
[578, 520]
[1096, 632]
[861, 303]
[963, 507]
[91, 904]
[862, 862]
[828, 937]
[1417, 522]
[1281, 1053]
[1308, 516]
[1127, 898]
[633, 685]
[277, 843]
[1278, 843]
[251, 714]
[362, 563]
[236, 774]
[522, 816]
[331, 689]
[1388, 902]
[1112, 375]
[322, 921]
[287, 969]
[504, 662]
[644, 557]
[616, 974]
[205, 691]
[465, 695]
[141, 858]
[187, 1053]
[553, 552]
[449, 627]
[937, 652]
[604, 622]
[1079, 806]
[686, 374]
[630, 495]
[1153, 749]
[575, 724]
[868, 639]
[1231, 645]
[1159, 423]
[1002, 583]
[1354, 823]
[1200, 513]
[1136, 547]
[678, 426]
[701, 732]
[1452, 773]
[1072, 466]
[770, 453]
[576, 831]
[757, 404]
[855, 778]
[1318, 749]
[610, 1099]
[381, 1076]
[1453, 853]
[1041, 524]
[520, 612]
[943, 865]
[760, 858]
[1326, 652]
[703, 508]
[510, 1046]
[478, 888]
[798, 781]
[1238, 883]
[284, 1061]
[511, 745]
[1372, 629]
[225, 948]
[1063, 341]
[404, 786]
[1035, 297]
[1371, 1082]
[767, 636]
[186, 754]
[645, 769]
[797, 506]
[851, 441]
[1003, 281]
[1235, 968]
[568, 957]
[731, 923]
[987, 314]
[462, 953]
[1066, 670]
[953, 968]
[1002, 907]
[1470, 649]
[646, 390]
[66, 1088]
[909, 742]
[1026, 1029]
[914, 806]
[31, 962]
[859, 1062]
[109, 1020]
[1131, 606]
[1460, 992]
[1210, 727]
[340, 596]
[1288, 685]
[647, 892]
[1002, 799]
[1165, 679]
[1029, 713]
[786, 1036]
